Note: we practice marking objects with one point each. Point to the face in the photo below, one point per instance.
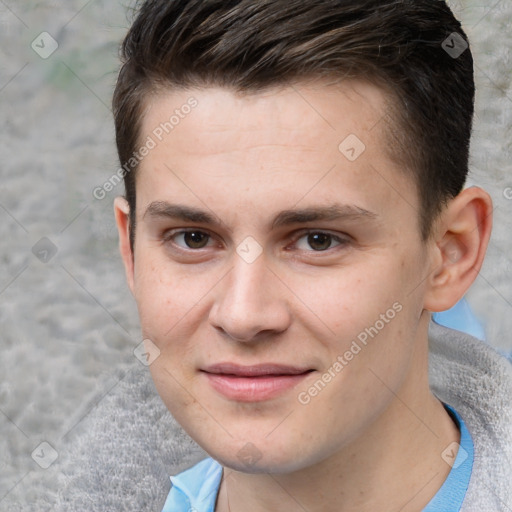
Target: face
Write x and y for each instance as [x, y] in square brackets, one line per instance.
[278, 269]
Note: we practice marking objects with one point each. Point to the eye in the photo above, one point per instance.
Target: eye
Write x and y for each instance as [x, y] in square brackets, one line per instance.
[319, 241]
[192, 239]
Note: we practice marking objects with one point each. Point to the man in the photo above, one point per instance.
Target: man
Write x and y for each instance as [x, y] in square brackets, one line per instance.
[294, 213]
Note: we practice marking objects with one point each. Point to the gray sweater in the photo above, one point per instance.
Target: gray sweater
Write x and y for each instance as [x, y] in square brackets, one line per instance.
[121, 456]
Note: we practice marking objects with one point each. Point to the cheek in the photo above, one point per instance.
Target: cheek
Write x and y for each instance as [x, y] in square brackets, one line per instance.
[154, 301]
[355, 297]
[371, 318]
[164, 296]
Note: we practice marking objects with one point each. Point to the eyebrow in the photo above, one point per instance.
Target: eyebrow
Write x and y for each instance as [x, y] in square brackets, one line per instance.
[163, 209]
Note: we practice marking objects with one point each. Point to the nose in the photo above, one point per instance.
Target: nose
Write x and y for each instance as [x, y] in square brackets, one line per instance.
[251, 302]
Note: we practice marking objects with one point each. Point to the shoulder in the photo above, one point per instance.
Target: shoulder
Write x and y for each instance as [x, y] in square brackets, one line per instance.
[472, 377]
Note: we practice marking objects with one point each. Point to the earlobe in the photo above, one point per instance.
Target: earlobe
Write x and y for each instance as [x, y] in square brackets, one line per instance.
[122, 216]
[461, 242]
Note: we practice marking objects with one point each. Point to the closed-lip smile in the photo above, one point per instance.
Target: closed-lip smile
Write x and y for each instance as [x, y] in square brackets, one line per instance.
[253, 383]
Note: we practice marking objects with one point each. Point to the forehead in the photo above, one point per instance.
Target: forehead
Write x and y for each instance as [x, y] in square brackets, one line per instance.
[301, 109]
[305, 139]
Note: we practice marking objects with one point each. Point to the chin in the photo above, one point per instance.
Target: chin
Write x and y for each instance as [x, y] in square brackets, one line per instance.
[246, 457]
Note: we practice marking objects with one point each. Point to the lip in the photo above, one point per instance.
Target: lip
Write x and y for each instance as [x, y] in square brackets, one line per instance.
[254, 383]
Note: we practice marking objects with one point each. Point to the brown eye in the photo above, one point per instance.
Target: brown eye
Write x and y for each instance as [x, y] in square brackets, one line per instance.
[195, 239]
[319, 241]
[191, 239]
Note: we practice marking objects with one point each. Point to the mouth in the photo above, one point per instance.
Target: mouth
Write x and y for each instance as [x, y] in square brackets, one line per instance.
[254, 383]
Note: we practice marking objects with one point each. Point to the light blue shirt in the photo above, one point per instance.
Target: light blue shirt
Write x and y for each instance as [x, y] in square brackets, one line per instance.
[195, 490]
[452, 492]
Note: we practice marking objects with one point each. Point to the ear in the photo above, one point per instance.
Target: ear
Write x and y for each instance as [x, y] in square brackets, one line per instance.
[122, 215]
[461, 238]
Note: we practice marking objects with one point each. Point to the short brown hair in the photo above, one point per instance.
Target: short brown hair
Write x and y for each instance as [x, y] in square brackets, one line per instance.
[250, 45]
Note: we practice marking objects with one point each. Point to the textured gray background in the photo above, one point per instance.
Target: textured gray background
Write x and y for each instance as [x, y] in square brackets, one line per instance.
[68, 327]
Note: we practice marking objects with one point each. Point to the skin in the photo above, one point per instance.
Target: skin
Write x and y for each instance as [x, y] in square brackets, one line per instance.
[375, 433]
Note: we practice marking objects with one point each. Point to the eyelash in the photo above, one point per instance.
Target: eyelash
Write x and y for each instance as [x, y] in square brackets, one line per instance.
[342, 241]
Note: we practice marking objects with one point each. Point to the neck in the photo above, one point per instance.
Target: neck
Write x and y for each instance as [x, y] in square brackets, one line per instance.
[396, 461]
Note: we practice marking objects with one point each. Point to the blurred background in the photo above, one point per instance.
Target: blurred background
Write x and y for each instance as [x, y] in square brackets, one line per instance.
[68, 324]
